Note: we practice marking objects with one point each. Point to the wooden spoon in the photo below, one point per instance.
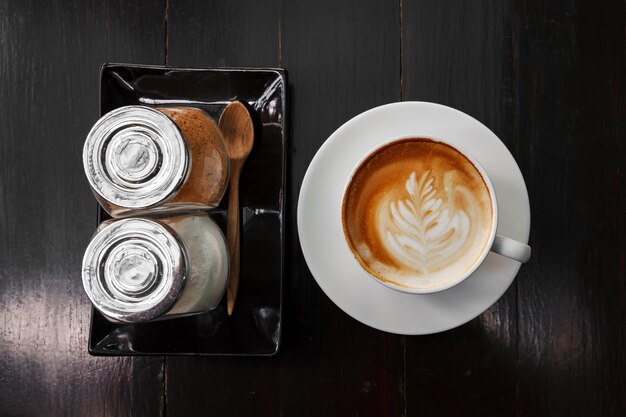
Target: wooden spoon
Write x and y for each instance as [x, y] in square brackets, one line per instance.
[236, 125]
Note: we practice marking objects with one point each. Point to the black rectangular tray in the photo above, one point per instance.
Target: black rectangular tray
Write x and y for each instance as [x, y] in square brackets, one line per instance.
[254, 329]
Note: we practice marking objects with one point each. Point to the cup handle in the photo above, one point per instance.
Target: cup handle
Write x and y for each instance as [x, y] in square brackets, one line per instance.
[510, 248]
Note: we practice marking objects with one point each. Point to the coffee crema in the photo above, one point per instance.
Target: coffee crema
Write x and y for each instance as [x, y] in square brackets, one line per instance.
[417, 213]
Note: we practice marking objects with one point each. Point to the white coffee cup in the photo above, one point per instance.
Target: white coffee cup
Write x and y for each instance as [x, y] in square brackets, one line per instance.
[502, 245]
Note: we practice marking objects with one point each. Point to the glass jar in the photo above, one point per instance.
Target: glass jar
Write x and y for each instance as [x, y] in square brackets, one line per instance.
[139, 159]
[139, 269]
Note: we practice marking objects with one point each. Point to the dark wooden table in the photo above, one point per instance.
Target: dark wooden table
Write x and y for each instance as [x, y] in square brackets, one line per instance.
[548, 77]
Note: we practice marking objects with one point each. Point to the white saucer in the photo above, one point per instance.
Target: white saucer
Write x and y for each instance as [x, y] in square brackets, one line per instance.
[327, 254]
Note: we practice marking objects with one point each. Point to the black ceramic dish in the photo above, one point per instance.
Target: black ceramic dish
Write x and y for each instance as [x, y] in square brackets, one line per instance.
[255, 326]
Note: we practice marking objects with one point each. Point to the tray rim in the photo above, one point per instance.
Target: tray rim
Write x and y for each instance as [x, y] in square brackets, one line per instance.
[282, 74]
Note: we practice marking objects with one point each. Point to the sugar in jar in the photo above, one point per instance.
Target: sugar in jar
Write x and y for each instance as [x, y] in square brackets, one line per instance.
[140, 159]
[140, 269]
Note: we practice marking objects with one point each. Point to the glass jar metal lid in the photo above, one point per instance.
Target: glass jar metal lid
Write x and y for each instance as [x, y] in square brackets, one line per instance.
[135, 157]
[134, 270]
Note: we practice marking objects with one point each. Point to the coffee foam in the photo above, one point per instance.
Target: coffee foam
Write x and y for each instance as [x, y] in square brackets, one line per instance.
[417, 213]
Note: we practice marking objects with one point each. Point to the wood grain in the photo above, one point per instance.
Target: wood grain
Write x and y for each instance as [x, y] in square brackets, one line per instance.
[50, 56]
[238, 33]
[571, 107]
[343, 58]
[461, 54]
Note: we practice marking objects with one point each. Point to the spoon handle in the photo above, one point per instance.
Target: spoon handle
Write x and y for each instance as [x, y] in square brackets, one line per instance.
[232, 233]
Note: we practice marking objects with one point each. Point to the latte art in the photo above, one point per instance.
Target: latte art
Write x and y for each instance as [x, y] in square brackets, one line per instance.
[425, 231]
[417, 213]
